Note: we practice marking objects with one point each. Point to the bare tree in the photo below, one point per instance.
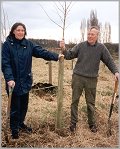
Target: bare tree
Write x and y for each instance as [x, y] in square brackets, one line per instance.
[5, 27]
[107, 33]
[82, 29]
[93, 21]
[100, 33]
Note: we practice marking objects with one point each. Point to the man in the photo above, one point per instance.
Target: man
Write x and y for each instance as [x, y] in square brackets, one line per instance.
[85, 73]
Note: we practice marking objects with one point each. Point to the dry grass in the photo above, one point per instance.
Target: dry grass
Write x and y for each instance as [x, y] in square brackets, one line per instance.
[41, 114]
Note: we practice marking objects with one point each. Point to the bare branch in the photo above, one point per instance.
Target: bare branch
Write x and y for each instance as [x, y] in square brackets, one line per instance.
[49, 16]
[68, 6]
[59, 8]
[59, 14]
[63, 9]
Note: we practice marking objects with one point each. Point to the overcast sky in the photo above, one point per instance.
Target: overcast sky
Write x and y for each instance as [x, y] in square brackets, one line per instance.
[39, 25]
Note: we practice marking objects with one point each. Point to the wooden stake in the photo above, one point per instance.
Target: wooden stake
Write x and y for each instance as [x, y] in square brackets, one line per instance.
[60, 93]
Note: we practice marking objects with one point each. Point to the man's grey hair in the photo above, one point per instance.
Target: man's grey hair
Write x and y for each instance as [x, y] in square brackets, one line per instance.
[94, 27]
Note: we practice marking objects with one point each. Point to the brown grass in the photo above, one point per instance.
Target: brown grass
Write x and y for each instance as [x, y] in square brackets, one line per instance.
[41, 115]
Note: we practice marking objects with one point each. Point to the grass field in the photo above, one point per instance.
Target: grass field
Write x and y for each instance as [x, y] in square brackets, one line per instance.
[41, 115]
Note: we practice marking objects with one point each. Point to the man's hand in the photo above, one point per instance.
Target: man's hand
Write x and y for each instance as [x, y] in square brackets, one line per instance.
[62, 44]
[11, 83]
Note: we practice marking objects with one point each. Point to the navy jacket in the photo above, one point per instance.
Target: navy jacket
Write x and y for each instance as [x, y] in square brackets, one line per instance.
[17, 62]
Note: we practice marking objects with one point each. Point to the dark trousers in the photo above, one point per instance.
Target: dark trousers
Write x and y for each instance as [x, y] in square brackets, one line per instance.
[89, 85]
[19, 106]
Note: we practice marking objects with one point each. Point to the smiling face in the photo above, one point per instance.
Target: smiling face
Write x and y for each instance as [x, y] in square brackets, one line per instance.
[92, 36]
[19, 32]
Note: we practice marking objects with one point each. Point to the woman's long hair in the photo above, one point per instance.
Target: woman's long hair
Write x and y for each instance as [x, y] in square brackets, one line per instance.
[15, 26]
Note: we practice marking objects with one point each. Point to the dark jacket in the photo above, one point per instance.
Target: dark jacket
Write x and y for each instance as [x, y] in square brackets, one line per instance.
[17, 62]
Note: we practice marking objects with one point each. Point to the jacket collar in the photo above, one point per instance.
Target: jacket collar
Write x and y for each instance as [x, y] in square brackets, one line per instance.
[12, 41]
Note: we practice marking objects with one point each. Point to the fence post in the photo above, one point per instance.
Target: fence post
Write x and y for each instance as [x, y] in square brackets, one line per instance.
[50, 72]
[72, 64]
[60, 93]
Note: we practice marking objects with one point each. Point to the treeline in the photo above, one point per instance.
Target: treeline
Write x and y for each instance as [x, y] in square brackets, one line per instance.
[46, 43]
[51, 44]
[112, 47]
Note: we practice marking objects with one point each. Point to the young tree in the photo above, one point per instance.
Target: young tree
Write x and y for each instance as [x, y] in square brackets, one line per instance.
[62, 8]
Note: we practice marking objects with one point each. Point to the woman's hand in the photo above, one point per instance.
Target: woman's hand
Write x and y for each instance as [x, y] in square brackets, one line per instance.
[11, 83]
[61, 56]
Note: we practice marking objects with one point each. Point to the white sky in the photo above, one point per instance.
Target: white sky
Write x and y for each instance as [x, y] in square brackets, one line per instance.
[39, 25]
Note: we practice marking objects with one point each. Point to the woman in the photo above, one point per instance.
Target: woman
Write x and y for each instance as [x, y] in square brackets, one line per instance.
[17, 54]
